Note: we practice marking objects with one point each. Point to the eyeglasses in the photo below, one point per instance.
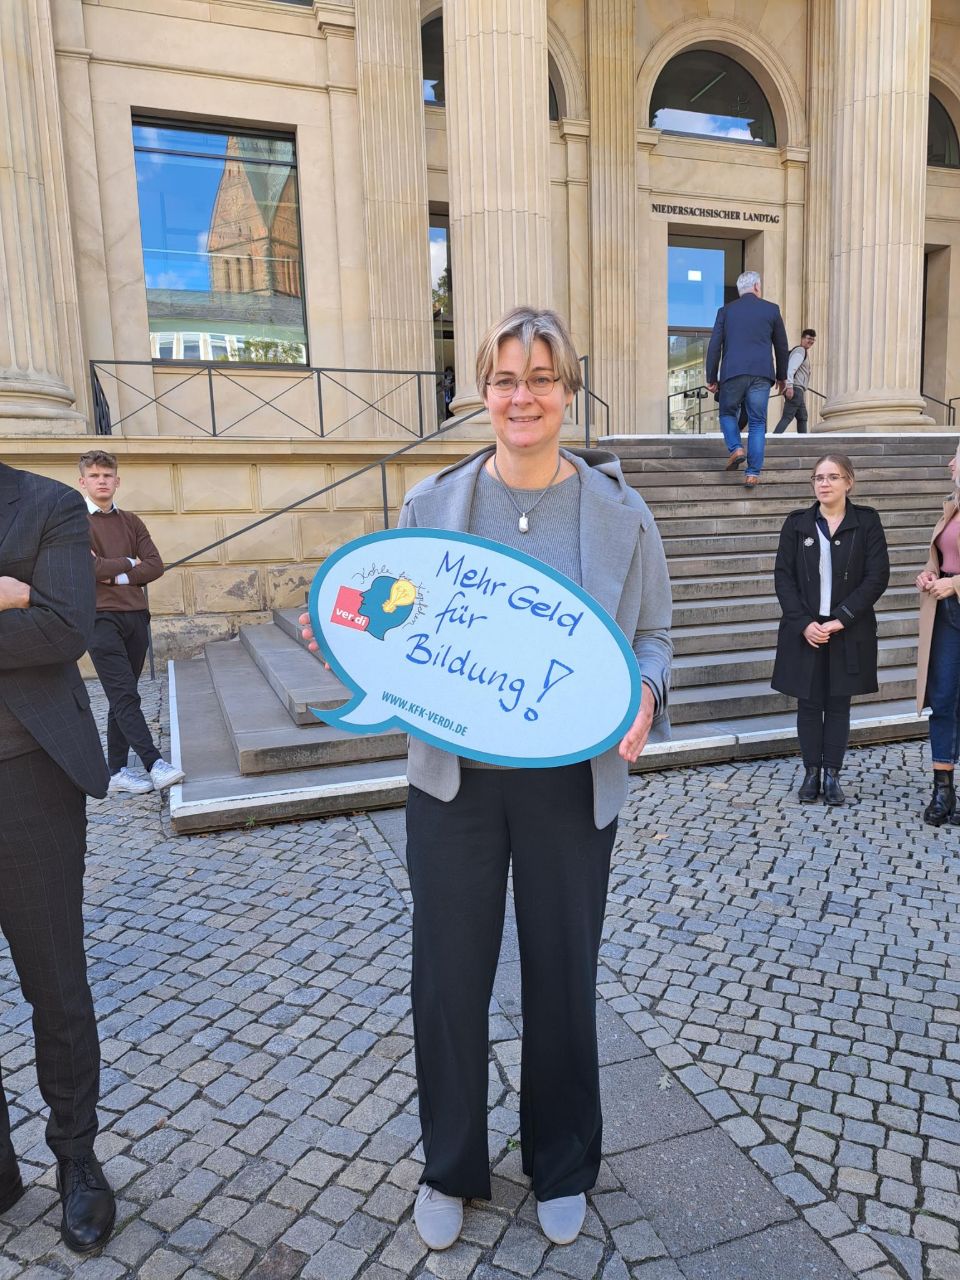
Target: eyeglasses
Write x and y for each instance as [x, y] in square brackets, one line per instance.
[828, 479]
[540, 384]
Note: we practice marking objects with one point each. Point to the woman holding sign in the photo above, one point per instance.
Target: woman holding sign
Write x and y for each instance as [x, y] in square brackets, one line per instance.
[467, 823]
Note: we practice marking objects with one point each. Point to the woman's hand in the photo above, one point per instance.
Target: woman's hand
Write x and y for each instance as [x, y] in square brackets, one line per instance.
[307, 632]
[926, 579]
[941, 588]
[816, 634]
[635, 739]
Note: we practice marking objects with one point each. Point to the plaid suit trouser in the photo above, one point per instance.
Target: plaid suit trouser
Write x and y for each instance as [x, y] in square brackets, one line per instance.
[42, 851]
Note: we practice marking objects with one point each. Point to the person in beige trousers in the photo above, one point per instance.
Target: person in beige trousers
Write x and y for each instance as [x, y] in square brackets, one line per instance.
[938, 654]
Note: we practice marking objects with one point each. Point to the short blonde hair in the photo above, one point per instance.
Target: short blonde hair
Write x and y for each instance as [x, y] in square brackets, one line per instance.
[526, 324]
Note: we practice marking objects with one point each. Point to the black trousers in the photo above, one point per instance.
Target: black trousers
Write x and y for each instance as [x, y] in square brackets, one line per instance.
[796, 407]
[458, 855]
[118, 650]
[42, 850]
[823, 719]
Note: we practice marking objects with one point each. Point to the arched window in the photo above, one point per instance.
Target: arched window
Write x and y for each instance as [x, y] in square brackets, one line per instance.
[554, 102]
[942, 147]
[431, 46]
[711, 96]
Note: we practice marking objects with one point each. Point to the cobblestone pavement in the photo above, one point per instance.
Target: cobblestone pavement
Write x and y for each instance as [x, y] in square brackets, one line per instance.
[779, 1040]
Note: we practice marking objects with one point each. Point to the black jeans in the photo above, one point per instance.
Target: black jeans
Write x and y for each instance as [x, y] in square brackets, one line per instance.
[118, 650]
[458, 855]
[793, 408]
[42, 850]
[823, 719]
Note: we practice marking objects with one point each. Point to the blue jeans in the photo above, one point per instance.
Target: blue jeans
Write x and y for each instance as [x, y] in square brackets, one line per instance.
[755, 393]
[943, 683]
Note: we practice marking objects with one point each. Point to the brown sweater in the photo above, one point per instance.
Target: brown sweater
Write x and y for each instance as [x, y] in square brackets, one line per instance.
[117, 537]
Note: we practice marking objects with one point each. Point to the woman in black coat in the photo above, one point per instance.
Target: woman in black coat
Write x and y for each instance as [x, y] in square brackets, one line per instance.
[832, 567]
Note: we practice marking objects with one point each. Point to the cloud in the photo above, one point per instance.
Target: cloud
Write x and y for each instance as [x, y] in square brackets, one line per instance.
[438, 259]
[708, 125]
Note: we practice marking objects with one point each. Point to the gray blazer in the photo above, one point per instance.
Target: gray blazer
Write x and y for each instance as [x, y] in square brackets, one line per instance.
[624, 569]
[45, 541]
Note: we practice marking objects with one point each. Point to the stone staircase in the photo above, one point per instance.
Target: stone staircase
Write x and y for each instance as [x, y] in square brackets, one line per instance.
[253, 751]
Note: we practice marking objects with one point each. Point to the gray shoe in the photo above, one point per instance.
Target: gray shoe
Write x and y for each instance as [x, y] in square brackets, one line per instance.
[439, 1218]
[561, 1219]
[165, 775]
[126, 780]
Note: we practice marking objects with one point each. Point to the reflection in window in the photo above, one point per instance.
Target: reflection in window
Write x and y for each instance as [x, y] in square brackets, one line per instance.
[710, 95]
[554, 103]
[220, 226]
[942, 147]
[442, 310]
[431, 46]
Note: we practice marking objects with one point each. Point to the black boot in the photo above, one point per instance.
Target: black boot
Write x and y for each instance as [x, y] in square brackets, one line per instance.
[89, 1208]
[943, 800]
[11, 1188]
[810, 786]
[831, 787]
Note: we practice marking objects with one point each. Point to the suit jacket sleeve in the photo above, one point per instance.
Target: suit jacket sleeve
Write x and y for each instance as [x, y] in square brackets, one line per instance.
[151, 566]
[56, 625]
[651, 642]
[781, 348]
[876, 575]
[795, 612]
[715, 348]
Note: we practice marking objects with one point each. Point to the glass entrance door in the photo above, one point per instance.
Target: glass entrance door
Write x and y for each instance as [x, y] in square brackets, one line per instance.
[701, 277]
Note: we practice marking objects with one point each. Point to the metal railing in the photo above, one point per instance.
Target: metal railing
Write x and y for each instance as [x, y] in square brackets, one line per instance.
[701, 420]
[207, 415]
[949, 415]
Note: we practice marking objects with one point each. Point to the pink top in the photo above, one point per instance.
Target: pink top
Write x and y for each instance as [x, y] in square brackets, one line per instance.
[948, 544]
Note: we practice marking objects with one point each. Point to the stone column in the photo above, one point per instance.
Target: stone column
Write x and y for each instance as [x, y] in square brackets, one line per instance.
[394, 162]
[817, 188]
[40, 364]
[882, 59]
[498, 136]
[614, 225]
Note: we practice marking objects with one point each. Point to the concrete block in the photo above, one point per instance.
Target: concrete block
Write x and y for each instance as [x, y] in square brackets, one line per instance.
[227, 486]
[227, 590]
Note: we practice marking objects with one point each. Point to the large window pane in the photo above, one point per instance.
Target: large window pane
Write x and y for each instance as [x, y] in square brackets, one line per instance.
[942, 148]
[220, 226]
[708, 94]
[431, 46]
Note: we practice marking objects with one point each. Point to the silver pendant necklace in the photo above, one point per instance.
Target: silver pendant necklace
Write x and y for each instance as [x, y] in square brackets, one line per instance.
[523, 524]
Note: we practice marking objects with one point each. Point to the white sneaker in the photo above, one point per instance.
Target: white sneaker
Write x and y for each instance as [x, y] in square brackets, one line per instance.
[439, 1218]
[126, 780]
[561, 1219]
[165, 775]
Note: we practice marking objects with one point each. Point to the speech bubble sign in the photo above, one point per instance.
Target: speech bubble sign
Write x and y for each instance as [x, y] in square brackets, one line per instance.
[473, 647]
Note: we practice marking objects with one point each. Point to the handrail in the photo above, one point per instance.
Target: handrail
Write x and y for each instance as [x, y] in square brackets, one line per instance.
[226, 369]
[702, 392]
[382, 463]
[944, 404]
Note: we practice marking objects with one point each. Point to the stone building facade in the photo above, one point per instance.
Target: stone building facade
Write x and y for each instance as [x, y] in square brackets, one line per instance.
[392, 175]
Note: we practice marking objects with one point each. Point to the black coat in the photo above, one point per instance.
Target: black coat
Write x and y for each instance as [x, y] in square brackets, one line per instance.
[861, 570]
[45, 541]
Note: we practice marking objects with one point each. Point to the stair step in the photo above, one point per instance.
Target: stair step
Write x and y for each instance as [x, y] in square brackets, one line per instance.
[215, 795]
[724, 588]
[709, 548]
[910, 557]
[696, 670]
[297, 677]
[755, 697]
[263, 736]
[733, 525]
[764, 607]
[717, 637]
[858, 446]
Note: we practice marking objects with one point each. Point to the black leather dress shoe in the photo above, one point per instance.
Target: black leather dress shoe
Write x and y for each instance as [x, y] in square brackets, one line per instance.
[942, 806]
[832, 793]
[809, 787]
[89, 1208]
[11, 1188]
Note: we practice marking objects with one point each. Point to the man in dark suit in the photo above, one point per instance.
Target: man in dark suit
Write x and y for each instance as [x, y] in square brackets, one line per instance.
[747, 335]
[50, 760]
